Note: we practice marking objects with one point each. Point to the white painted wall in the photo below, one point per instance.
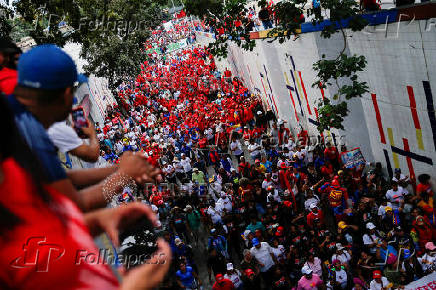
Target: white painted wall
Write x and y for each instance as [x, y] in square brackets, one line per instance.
[402, 55]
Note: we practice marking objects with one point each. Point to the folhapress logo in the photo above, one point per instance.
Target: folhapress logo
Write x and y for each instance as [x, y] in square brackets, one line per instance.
[38, 254]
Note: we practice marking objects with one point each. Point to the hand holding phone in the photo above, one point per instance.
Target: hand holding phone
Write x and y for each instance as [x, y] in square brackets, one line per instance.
[79, 121]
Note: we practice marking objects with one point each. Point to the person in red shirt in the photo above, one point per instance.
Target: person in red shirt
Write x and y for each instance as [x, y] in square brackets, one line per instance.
[47, 239]
[331, 153]
[337, 197]
[425, 195]
[315, 216]
[8, 75]
[222, 283]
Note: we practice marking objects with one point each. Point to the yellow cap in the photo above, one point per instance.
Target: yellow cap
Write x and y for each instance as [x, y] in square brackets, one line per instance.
[342, 225]
[388, 208]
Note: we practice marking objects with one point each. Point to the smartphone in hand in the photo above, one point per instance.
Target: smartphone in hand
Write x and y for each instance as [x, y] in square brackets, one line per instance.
[79, 121]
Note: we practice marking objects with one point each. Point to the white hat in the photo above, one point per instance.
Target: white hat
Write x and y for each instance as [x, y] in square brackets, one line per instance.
[246, 233]
[195, 169]
[370, 226]
[306, 270]
[313, 205]
[339, 246]
[229, 266]
[259, 112]
[223, 194]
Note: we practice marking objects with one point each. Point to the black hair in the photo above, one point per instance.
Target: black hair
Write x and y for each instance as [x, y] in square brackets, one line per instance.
[423, 178]
[15, 147]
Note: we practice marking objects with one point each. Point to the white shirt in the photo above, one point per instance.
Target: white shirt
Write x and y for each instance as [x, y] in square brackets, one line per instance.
[402, 177]
[178, 167]
[235, 278]
[186, 163]
[344, 257]
[236, 147]
[316, 266]
[370, 239]
[266, 183]
[376, 286]
[263, 255]
[274, 196]
[214, 215]
[169, 170]
[254, 149]
[427, 261]
[308, 202]
[381, 210]
[224, 203]
[64, 137]
[396, 197]
[341, 276]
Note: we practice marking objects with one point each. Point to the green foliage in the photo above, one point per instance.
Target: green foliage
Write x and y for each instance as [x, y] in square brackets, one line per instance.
[5, 23]
[331, 115]
[112, 32]
[223, 15]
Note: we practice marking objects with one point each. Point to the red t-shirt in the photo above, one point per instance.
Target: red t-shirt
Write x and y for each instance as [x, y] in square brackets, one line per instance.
[8, 80]
[224, 284]
[51, 247]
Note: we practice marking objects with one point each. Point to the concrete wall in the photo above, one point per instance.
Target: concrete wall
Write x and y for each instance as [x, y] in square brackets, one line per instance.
[401, 71]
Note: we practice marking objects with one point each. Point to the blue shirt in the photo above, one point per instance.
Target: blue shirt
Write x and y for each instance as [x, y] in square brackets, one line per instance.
[186, 278]
[37, 139]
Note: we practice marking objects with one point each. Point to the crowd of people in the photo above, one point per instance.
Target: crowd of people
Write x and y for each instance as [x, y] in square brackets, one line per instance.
[192, 149]
[273, 209]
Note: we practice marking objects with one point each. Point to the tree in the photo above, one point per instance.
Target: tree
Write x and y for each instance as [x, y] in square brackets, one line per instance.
[111, 32]
[288, 13]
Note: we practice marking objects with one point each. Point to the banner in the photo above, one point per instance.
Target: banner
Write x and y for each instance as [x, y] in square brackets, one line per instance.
[426, 282]
[352, 158]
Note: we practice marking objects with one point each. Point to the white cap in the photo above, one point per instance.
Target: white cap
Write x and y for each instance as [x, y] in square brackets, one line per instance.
[223, 194]
[177, 241]
[229, 266]
[313, 205]
[370, 226]
[306, 270]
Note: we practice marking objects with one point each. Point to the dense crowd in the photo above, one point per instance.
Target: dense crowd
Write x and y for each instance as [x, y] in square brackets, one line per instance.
[274, 209]
[271, 208]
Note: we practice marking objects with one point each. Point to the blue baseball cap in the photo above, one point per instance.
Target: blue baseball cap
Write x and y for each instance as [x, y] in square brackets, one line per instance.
[46, 67]
[255, 241]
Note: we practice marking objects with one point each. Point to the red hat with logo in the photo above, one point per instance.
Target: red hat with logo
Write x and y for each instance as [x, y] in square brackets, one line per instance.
[376, 274]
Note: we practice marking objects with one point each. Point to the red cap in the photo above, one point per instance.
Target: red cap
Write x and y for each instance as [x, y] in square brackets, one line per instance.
[248, 272]
[335, 182]
[376, 274]
[219, 277]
